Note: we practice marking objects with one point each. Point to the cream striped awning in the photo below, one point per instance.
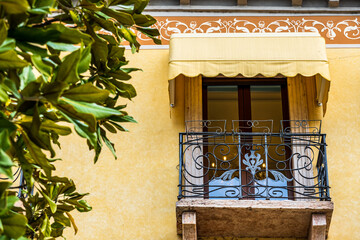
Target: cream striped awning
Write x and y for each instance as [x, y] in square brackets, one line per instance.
[250, 55]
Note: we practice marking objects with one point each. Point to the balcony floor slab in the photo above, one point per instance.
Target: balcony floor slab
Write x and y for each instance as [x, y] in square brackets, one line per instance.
[253, 218]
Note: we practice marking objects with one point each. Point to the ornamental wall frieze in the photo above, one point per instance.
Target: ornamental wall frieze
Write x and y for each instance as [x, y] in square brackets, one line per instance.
[335, 29]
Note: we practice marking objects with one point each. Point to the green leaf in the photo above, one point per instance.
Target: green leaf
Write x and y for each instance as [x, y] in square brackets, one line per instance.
[98, 111]
[49, 125]
[99, 50]
[27, 47]
[117, 52]
[81, 128]
[129, 70]
[109, 38]
[52, 204]
[4, 139]
[81, 206]
[26, 77]
[52, 91]
[66, 3]
[140, 5]
[3, 30]
[1, 229]
[65, 208]
[45, 228]
[32, 89]
[119, 74]
[122, 17]
[124, 89]
[11, 60]
[26, 167]
[6, 124]
[117, 60]
[123, 118]
[22, 238]
[68, 69]
[75, 17]
[119, 127]
[3, 95]
[37, 155]
[35, 35]
[5, 161]
[144, 20]
[6, 164]
[106, 24]
[59, 217]
[98, 147]
[10, 201]
[43, 68]
[43, 3]
[14, 225]
[62, 46]
[90, 4]
[73, 114]
[87, 93]
[85, 60]
[8, 44]
[15, 6]
[109, 127]
[69, 35]
[123, 8]
[59, 179]
[40, 138]
[127, 34]
[4, 186]
[10, 86]
[43, 10]
[150, 32]
[72, 222]
[109, 144]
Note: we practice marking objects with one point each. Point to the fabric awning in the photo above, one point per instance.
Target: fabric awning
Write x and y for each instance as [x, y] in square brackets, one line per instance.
[250, 55]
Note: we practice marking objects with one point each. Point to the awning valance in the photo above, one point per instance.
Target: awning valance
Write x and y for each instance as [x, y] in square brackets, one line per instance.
[251, 55]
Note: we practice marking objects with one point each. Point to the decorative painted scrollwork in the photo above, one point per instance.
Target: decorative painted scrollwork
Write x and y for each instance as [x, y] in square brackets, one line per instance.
[330, 28]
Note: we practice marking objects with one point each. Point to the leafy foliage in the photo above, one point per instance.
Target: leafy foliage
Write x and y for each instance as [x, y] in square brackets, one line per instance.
[62, 63]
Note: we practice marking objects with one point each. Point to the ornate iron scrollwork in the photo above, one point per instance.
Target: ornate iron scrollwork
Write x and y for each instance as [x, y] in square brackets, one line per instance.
[290, 164]
[253, 161]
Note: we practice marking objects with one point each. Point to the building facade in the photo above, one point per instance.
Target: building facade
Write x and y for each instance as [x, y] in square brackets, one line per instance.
[234, 60]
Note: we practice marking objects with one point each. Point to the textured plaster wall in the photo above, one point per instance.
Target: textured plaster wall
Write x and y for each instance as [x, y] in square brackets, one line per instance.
[134, 197]
[342, 125]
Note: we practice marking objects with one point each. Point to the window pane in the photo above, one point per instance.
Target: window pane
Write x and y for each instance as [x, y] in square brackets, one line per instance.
[266, 104]
[223, 103]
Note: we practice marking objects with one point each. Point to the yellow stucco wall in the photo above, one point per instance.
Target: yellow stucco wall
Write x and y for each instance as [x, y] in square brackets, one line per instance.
[134, 197]
[342, 125]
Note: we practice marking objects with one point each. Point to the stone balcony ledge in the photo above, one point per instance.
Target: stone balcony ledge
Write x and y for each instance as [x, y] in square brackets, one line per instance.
[255, 218]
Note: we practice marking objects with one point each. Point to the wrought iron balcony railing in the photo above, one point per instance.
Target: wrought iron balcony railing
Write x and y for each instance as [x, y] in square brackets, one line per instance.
[252, 161]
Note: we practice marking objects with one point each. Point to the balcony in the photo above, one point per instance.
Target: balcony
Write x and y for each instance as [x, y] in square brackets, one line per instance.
[252, 181]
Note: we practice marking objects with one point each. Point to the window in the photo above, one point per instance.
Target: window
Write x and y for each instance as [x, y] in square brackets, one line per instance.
[237, 102]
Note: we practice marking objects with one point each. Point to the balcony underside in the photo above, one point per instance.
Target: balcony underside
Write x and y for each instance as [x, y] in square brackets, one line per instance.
[253, 218]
